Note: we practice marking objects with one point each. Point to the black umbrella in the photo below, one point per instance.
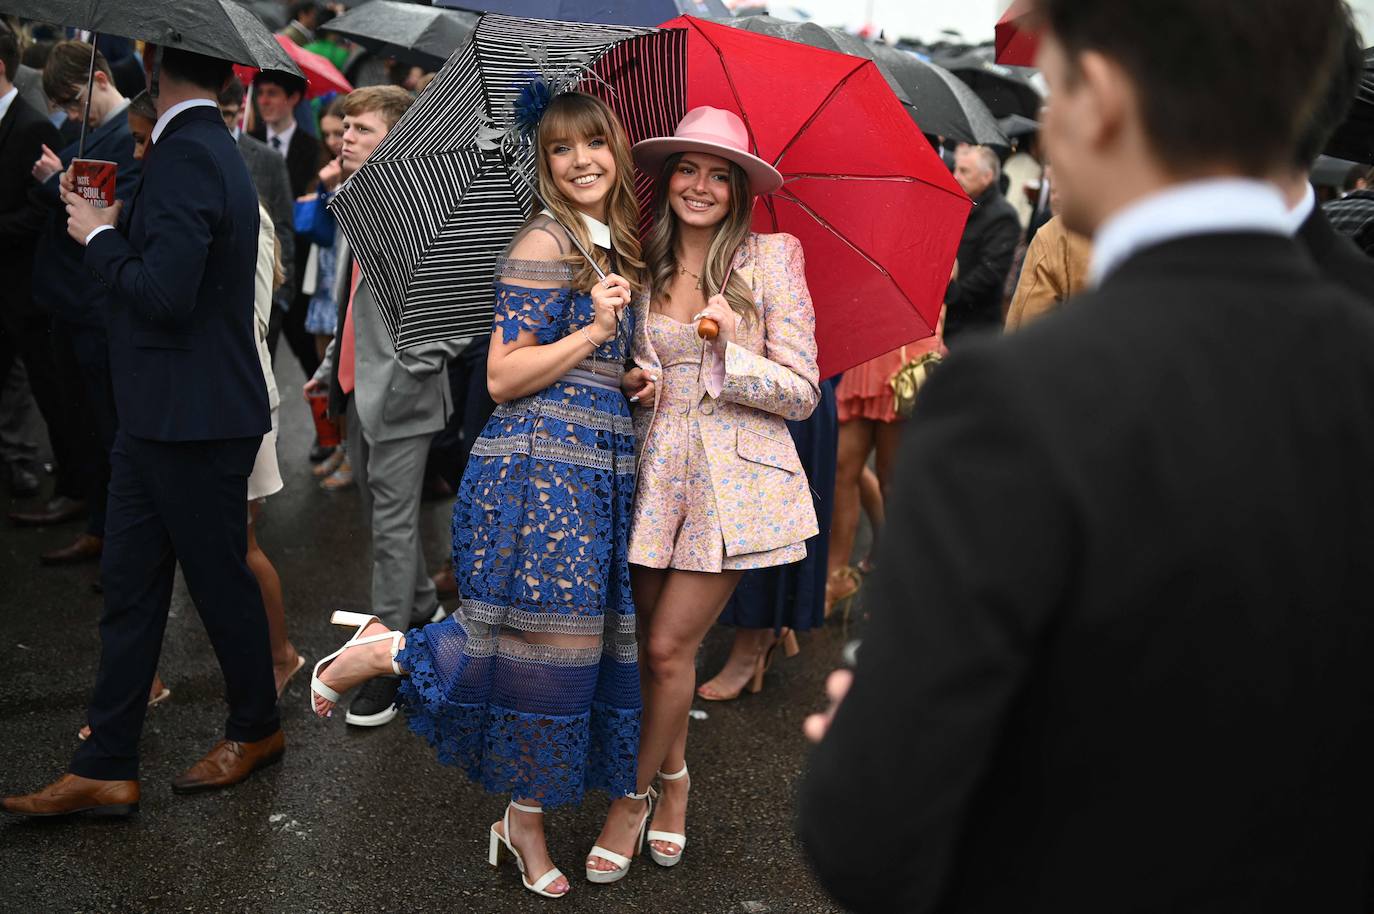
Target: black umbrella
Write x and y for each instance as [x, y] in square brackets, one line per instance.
[809, 33]
[1002, 89]
[271, 12]
[441, 197]
[420, 35]
[942, 104]
[608, 12]
[1355, 138]
[1018, 125]
[216, 28]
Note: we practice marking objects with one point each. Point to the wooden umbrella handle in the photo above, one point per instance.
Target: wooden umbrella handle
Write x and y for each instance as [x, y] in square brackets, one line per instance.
[708, 329]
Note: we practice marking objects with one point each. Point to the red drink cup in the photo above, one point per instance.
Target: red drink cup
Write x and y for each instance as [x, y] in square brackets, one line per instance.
[326, 429]
[95, 181]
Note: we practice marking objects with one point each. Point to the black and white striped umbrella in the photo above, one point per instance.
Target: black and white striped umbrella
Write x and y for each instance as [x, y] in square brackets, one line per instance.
[434, 205]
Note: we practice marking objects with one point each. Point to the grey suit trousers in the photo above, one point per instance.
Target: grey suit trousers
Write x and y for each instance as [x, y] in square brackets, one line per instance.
[390, 476]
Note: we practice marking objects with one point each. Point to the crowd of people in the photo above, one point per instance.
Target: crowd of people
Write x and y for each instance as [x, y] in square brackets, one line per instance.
[1117, 604]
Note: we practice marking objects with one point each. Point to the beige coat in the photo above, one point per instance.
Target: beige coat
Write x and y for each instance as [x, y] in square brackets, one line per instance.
[768, 376]
[1055, 269]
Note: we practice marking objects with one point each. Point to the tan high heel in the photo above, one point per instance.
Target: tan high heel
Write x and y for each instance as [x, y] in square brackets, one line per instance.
[787, 640]
[848, 578]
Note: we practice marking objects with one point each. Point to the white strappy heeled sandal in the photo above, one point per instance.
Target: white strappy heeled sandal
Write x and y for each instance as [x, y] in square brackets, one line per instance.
[622, 863]
[499, 842]
[656, 855]
[362, 621]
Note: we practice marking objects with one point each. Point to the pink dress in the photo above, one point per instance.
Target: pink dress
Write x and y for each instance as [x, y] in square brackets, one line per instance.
[675, 522]
[865, 391]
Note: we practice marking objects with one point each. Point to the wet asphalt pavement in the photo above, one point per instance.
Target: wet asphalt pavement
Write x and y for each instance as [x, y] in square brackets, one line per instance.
[352, 820]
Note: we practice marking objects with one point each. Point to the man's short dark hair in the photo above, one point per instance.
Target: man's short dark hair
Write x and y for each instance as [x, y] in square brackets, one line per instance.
[289, 82]
[1230, 82]
[9, 51]
[232, 93]
[301, 7]
[1346, 70]
[200, 70]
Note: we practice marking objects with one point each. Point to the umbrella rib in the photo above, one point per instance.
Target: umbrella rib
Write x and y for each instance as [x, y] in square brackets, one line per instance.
[896, 179]
[730, 81]
[844, 239]
[834, 90]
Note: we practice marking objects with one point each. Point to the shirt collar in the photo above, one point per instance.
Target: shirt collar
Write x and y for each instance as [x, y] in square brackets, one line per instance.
[176, 109]
[1298, 214]
[1202, 207]
[284, 135]
[8, 99]
[116, 110]
[600, 231]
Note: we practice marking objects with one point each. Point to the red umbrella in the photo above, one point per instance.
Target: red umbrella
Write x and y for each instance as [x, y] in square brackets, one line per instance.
[878, 214]
[321, 76]
[1017, 40]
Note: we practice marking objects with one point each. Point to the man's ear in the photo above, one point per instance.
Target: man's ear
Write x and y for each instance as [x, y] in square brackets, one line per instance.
[101, 79]
[1106, 101]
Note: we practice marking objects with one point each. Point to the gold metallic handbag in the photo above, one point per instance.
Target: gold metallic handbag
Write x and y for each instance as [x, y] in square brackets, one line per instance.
[907, 382]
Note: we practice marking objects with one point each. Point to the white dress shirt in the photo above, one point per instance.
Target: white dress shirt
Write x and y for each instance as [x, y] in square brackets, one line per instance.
[1298, 214]
[160, 126]
[6, 100]
[1204, 207]
[281, 142]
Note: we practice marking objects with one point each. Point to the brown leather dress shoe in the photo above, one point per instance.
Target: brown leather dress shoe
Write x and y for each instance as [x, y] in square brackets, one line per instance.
[228, 763]
[73, 793]
[57, 510]
[444, 584]
[85, 548]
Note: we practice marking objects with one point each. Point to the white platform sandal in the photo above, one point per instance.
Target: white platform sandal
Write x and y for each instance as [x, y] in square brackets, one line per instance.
[362, 621]
[622, 863]
[658, 856]
[500, 844]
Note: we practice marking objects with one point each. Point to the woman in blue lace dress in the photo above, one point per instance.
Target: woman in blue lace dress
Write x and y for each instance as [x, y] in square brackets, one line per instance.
[532, 686]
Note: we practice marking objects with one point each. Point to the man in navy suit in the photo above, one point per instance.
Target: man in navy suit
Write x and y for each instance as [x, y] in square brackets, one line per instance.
[192, 411]
[70, 293]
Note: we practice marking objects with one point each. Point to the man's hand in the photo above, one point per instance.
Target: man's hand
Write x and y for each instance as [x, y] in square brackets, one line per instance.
[312, 386]
[48, 164]
[836, 687]
[82, 218]
[331, 175]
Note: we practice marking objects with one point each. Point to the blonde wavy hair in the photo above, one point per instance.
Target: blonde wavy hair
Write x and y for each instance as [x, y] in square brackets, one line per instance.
[660, 250]
[575, 115]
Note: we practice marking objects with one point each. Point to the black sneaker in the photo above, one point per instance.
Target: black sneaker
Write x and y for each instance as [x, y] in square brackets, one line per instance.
[319, 452]
[375, 703]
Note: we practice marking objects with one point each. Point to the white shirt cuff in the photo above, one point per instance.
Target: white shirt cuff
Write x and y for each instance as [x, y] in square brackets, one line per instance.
[96, 231]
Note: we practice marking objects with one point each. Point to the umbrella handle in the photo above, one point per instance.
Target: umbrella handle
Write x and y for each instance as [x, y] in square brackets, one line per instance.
[708, 329]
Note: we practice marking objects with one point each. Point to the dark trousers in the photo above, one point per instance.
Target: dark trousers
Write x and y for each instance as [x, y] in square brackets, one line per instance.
[29, 338]
[82, 355]
[291, 323]
[472, 407]
[176, 502]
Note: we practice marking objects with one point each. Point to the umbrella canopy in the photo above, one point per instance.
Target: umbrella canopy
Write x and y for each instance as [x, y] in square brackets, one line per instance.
[813, 35]
[419, 35]
[321, 76]
[1002, 89]
[878, 214]
[1017, 41]
[943, 104]
[612, 12]
[1355, 138]
[215, 28]
[1016, 125]
[435, 205]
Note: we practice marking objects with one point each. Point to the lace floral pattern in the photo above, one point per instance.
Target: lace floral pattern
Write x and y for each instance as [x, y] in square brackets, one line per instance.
[532, 686]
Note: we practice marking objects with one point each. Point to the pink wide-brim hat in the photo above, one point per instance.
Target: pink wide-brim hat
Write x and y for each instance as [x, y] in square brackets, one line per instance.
[713, 131]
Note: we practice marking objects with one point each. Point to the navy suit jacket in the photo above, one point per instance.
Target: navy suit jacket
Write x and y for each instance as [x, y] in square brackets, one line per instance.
[61, 284]
[183, 357]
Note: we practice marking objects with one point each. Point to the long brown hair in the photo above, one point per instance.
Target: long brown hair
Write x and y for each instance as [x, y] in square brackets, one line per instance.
[660, 251]
[576, 114]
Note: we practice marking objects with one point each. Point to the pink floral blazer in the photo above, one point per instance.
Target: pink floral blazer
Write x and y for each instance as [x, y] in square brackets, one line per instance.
[768, 375]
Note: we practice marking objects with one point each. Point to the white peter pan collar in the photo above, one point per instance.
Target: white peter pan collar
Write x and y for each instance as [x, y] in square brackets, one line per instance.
[600, 231]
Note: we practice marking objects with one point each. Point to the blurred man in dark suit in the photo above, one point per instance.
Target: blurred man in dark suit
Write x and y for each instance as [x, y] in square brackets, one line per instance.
[193, 409]
[70, 293]
[24, 330]
[269, 177]
[1120, 650]
[986, 250]
[277, 95]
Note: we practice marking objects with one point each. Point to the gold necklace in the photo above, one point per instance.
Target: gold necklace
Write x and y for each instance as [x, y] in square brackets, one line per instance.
[686, 272]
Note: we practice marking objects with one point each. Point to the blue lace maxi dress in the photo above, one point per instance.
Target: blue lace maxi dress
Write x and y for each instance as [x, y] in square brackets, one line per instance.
[532, 686]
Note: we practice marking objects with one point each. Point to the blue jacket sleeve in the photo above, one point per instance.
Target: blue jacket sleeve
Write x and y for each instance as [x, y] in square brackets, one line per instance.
[183, 199]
